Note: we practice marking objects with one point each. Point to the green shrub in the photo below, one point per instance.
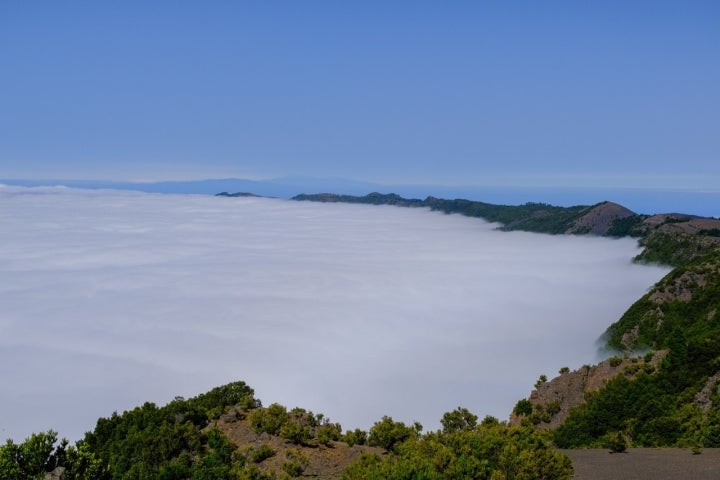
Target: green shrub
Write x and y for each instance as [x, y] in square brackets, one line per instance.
[295, 432]
[263, 452]
[523, 407]
[388, 434]
[491, 450]
[328, 433]
[459, 419]
[296, 463]
[269, 420]
[355, 437]
[616, 442]
[553, 407]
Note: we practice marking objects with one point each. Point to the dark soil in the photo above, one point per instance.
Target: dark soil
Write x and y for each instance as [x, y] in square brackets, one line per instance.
[646, 464]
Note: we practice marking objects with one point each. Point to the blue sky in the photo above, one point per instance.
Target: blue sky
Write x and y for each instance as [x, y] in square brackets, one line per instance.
[611, 93]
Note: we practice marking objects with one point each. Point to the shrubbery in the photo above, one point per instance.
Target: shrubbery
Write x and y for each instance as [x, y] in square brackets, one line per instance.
[491, 450]
[269, 420]
[458, 420]
[388, 434]
[355, 437]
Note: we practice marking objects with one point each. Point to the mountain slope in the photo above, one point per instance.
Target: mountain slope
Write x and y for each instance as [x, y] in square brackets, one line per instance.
[596, 219]
[672, 397]
[676, 402]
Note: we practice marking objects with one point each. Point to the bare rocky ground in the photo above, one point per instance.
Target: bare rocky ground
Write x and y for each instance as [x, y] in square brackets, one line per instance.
[646, 464]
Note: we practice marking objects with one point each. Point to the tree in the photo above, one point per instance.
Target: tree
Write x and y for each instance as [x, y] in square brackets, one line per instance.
[31, 459]
[387, 433]
[491, 450]
[523, 407]
[355, 437]
[269, 420]
[459, 419]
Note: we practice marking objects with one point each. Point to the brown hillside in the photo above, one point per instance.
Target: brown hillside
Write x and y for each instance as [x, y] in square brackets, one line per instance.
[597, 220]
[682, 223]
[324, 462]
[553, 400]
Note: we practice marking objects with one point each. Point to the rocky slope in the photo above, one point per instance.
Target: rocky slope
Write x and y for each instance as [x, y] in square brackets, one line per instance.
[552, 400]
[599, 219]
[322, 462]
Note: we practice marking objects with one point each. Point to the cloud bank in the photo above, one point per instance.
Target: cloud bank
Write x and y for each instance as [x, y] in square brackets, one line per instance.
[110, 299]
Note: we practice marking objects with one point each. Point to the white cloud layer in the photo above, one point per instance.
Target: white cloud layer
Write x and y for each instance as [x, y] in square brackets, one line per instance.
[110, 299]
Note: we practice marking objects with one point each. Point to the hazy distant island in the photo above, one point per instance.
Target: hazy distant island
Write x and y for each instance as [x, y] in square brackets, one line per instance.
[658, 387]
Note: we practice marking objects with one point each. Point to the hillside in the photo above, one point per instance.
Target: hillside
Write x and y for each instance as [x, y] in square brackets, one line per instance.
[676, 401]
[669, 397]
[226, 434]
[534, 217]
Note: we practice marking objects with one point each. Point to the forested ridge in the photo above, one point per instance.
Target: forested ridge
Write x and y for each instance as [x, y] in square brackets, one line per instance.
[535, 217]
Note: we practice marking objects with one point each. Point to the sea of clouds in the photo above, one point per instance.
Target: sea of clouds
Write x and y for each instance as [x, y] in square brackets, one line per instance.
[110, 299]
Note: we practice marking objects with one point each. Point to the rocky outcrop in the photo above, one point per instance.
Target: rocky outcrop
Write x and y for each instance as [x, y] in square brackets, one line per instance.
[57, 474]
[552, 401]
[703, 399]
[681, 288]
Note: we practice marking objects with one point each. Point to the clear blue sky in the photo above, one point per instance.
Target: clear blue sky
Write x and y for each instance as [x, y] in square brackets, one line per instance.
[556, 92]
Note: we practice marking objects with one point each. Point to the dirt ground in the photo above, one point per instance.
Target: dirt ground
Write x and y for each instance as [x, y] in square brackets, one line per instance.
[646, 464]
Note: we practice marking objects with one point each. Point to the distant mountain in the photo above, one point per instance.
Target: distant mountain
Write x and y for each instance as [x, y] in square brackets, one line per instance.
[639, 200]
[284, 187]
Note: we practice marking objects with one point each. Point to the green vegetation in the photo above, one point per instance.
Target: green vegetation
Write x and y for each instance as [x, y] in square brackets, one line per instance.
[297, 426]
[262, 453]
[533, 217]
[616, 443]
[182, 441]
[542, 379]
[296, 464]
[680, 315]
[458, 420]
[355, 437]
[491, 450]
[675, 249]
[523, 407]
[38, 454]
[388, 434]
[631, 226]
[269, 420]
[170, 442]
